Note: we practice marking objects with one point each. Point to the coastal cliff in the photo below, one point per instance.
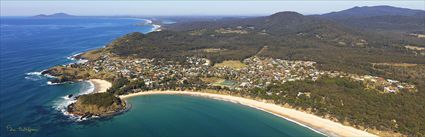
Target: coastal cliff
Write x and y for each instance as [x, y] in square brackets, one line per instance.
[67, 73]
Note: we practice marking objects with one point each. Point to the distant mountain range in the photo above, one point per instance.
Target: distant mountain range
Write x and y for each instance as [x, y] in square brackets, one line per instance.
[56, 15]
[281, 23]
[382, 18]
[367, 11]
[363, 18]
[379, 18]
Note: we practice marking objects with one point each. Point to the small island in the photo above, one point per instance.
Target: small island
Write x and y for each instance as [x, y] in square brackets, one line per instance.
[56, 15]
[97, 104]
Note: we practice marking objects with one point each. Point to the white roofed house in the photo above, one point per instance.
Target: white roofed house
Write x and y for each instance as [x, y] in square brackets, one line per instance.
[390, 89]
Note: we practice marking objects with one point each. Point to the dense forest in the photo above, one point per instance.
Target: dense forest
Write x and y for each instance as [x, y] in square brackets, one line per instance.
[348, 101]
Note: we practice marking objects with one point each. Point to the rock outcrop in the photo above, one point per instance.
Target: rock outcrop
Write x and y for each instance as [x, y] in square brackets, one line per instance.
[99, 104]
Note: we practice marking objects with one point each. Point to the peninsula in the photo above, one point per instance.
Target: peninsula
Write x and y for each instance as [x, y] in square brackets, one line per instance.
[97, 104]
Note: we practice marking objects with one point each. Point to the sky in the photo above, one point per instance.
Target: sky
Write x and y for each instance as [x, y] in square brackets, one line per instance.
[152, 8]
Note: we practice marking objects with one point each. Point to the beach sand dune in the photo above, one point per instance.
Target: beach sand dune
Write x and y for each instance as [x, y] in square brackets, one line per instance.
[311, 121]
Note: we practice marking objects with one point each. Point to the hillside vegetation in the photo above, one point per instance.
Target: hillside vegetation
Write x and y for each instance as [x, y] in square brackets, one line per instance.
[349, 102]
[332, 44]
[100, 104]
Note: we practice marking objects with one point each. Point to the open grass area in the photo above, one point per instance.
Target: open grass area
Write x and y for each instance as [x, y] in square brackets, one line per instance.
[225, 83]
[92, 55]
[234, 64]
[218, 81]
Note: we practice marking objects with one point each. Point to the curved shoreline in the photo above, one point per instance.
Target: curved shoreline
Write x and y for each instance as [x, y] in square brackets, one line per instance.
[100, 85]
[313, 122]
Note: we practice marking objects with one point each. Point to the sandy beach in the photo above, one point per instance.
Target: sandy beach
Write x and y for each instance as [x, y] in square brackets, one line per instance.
[311, 121]
[100, 85]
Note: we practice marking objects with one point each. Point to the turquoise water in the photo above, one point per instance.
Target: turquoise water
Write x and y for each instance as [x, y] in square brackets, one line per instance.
[179, 115]
[30, 45]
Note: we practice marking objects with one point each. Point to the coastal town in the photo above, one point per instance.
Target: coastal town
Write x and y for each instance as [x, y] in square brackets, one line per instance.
[186, 68]
[196, 73]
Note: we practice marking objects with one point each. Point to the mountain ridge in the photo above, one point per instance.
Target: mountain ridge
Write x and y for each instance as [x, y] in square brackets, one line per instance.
[55, 15]
[381, 18]
[369, 11]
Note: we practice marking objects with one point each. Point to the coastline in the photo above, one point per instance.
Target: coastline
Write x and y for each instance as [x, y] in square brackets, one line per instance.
[100, 85]
[97, 86]
[313, 122]
[310, 121]
[156, 27]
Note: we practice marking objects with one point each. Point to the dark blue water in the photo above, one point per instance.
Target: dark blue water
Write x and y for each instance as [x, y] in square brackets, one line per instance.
[29, 45]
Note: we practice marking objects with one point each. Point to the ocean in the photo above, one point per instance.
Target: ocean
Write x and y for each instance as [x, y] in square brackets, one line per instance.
[29, 106]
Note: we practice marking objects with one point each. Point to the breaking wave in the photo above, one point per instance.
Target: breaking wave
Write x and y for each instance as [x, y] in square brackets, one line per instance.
[63, 102]
[73, 57]
[37, 75]
[34, 76]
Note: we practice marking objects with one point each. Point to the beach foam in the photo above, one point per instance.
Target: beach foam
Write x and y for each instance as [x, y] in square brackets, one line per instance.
[76, 61]
[49, 76]
[53, 83]
[34, 76]
[148, 21]
[72, 57]
[62, 103]
[156, 27]
[34, 73]
[81, 61]
[37, 75]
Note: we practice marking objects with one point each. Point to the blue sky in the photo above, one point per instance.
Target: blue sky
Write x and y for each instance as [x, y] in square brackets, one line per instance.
[26, 8]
